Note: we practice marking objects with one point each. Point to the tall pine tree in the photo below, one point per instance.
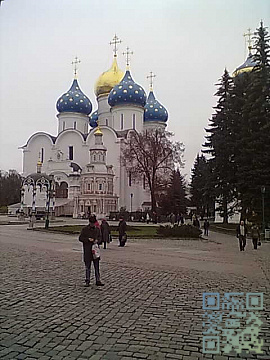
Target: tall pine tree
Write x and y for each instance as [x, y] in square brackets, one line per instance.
[173, 199]
[201, 187]
[220, 145]
[253, 156]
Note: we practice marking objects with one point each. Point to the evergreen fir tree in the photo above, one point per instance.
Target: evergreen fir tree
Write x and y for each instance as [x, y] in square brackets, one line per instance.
[174, 199]
[220, 145]
[201, 187]
[253, 158]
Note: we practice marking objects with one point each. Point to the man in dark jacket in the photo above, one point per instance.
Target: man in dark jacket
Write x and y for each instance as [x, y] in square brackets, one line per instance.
[122, 227]
[241, 233]
[105, 233]
[89, 235]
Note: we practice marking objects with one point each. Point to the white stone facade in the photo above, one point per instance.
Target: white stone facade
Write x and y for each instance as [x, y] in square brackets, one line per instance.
[96, 186]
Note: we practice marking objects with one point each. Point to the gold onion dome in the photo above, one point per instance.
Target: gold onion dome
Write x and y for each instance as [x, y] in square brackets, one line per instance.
[108, 79]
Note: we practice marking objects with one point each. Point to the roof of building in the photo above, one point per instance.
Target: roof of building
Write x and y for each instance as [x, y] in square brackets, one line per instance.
[154, 111]
[127, 92]
[74, 100]
[108, 79]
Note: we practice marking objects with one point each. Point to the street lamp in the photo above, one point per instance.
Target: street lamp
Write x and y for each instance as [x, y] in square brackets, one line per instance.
[263, 219]
[131, 197]
[49, 196]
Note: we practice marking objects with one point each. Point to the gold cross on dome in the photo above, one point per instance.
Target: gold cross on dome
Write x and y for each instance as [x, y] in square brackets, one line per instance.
[151, 77]
[114, 42]
[248, 35]
[127, 54]
[75, 63]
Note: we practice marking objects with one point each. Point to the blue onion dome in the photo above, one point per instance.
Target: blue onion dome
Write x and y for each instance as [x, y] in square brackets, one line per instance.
[93, 119]
[154, 111]
[247, 66]
[127, 92]
[74, 100]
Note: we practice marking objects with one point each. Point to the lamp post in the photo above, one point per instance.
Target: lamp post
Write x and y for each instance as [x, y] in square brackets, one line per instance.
[131, 197]
[49, 196]
[263, 219]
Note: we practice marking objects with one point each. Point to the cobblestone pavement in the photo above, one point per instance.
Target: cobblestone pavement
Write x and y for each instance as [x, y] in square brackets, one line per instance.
[150, 307]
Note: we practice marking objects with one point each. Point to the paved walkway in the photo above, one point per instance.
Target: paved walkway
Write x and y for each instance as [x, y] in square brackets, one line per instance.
[150, 308]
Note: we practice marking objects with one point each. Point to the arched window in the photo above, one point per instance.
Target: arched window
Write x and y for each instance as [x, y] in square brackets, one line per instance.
[133, 121]
[75, 125]
[64, 125]
[122, 122]
[106, 121]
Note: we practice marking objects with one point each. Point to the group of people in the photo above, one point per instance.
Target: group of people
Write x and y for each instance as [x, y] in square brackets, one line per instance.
[176, 219]
[92, 236]
[241, 233]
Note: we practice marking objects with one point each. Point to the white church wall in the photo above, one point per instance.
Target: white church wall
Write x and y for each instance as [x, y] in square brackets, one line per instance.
[72, 138]
[128, 117]
[33, 150]
[70, 120]
[104, 111]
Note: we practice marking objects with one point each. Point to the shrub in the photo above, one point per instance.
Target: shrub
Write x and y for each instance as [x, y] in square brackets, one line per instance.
[3, 209]
[182, 231]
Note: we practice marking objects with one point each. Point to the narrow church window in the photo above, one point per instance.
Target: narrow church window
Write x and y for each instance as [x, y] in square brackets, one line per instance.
[88, 186]
[64, 125]
[42, 155]
[99, 186]
[70, 152]
[94, 157]
[106, 122]
[129, 179]
[133, 121]
[75, 125]
[122, 122]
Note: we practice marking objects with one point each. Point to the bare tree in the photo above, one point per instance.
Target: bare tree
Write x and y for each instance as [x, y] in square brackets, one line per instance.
[153, 155]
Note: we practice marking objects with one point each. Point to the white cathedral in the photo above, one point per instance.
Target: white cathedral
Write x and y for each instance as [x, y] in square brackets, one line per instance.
[84, 156]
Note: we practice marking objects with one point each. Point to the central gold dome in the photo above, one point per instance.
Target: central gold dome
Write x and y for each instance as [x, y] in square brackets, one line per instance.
[108, 79]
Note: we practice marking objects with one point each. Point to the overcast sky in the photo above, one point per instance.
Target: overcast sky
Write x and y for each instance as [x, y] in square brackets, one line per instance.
[186, 43]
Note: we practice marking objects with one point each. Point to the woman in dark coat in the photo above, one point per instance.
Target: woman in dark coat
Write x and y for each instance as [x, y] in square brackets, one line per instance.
[105, 233]
[255, 235]
[122, 227]
[90, 235]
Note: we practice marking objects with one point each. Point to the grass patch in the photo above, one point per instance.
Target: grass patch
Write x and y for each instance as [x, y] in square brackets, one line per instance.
[229, 229]
[132, 231]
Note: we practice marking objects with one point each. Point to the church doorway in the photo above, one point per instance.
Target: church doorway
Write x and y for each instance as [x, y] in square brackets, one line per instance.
[61, 190]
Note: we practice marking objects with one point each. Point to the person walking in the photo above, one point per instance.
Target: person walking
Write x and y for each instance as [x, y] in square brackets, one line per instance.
[105, 233]
[196, 222]
[90, 236]
[122, 227]
[206, 227]
[255, 235]
[241, 233]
